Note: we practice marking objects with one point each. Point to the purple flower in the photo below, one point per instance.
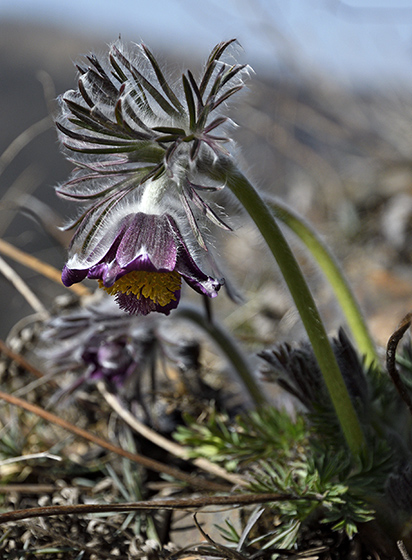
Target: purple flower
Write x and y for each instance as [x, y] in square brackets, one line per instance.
[126, 125]
[96, 341]
[139, 144]
[111, 360]
[143, 265]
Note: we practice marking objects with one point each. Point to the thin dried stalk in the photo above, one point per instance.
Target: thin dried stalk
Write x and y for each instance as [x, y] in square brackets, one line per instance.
[169, 446]
[393, 342]
[157, 466]
[39, 266]
[168, 503]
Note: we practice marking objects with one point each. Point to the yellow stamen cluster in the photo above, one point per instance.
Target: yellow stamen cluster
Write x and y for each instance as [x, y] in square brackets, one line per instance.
[156, 286]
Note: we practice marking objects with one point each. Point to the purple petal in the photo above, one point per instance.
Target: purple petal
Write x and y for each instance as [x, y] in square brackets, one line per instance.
[71, 276]
[110, 272]
[150, 235]
[188, 269]
[208, 286]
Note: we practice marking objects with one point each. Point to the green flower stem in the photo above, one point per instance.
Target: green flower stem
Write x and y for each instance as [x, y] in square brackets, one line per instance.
[224, 170]
[228, 346]
[335, 277]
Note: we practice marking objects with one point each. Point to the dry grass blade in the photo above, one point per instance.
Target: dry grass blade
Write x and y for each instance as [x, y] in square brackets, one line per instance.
[157, 466]
[39, 266]
[30, 456]
[18, 194]
[22, 140]
[169, 446]
[28, 488]
[11, 275]
[403, 551]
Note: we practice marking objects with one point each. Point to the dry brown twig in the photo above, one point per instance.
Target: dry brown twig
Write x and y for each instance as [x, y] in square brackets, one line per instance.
[39, 266]
[168, 503]
[193, 481]
[22, 362]
[169, 446]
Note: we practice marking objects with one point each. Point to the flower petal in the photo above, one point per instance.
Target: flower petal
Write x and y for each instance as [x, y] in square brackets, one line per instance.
[149, 235]
[188, 269]
[72, 276]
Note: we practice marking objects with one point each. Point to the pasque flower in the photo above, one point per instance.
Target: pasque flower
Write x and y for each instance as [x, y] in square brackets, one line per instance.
[138, 144]
[144, 265]
[99, 342]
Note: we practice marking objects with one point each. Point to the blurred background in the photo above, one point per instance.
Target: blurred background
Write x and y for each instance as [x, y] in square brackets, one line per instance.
[325, 125]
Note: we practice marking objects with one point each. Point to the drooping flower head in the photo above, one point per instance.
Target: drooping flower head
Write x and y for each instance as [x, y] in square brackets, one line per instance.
[143, 265]
[137, 142]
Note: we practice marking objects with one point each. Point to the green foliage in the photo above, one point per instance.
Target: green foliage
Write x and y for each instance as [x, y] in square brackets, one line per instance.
[256, 435]
[297, 457]
[320, 486]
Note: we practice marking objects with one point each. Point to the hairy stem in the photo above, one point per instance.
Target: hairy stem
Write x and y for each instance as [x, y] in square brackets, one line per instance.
[330, 268]
[226, 172]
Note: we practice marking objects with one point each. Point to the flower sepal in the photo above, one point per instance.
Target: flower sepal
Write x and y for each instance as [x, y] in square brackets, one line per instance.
[144, 266]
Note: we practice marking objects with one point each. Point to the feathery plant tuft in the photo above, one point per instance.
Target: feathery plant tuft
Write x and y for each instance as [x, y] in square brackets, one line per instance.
[305, 455]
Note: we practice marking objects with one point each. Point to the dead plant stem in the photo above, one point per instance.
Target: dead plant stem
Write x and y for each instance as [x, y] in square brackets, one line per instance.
[193, 481]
